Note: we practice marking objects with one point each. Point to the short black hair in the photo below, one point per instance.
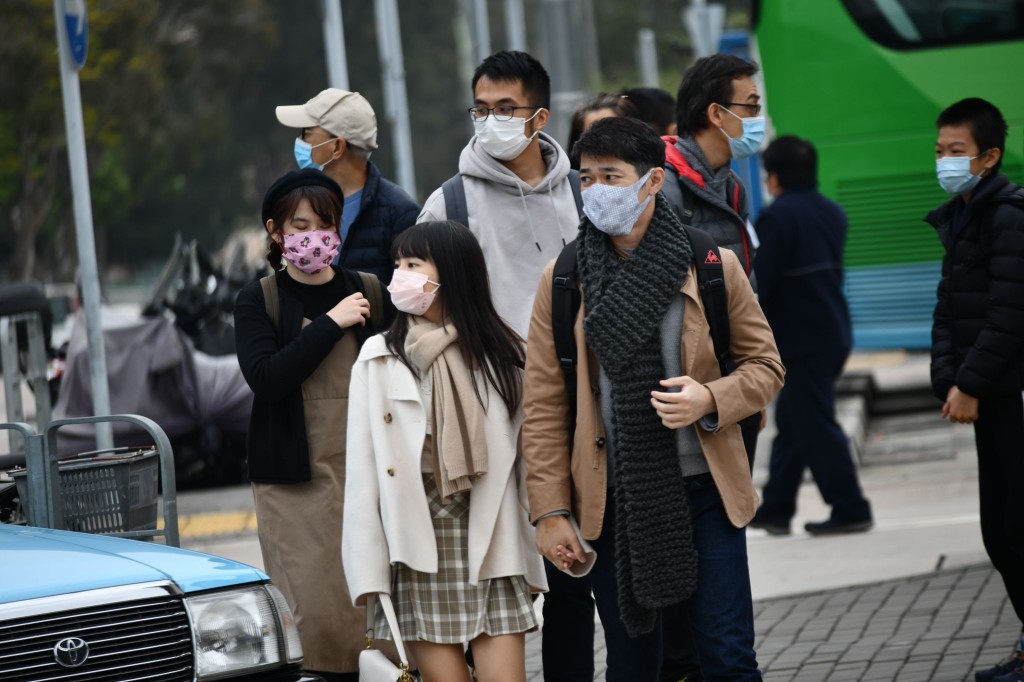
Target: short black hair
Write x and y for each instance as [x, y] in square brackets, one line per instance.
[654, 106]
[626, 139]
[707, 82]
[794, 161]
[514, 66]
[988, 127]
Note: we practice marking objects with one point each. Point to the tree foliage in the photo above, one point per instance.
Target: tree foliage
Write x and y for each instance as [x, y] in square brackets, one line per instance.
[178, 105]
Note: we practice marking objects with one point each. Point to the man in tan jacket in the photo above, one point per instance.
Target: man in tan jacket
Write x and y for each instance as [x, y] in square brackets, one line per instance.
[653, 465]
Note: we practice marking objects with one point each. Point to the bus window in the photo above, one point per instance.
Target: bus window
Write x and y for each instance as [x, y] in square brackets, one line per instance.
[918, 24]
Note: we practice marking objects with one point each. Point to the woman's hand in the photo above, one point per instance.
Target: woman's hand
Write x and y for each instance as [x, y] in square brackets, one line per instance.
[351, 310]
[556, 541]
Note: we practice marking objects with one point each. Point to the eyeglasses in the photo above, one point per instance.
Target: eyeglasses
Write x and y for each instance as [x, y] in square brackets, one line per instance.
[503, 112]
[755, 107]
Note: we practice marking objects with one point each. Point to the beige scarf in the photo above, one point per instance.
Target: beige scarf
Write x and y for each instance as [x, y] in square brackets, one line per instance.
[459, 447]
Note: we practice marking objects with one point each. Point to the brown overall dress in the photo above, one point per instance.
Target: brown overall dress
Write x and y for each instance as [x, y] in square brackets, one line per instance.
[300, 524]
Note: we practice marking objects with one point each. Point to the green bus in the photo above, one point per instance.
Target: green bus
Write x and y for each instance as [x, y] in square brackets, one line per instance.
[865, 80]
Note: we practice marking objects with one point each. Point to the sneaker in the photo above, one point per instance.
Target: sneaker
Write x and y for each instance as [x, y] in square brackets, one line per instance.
[832, 527]
[1010, 669]
[773, 526]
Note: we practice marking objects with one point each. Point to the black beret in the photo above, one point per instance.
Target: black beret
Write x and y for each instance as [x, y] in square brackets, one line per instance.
[307, 177]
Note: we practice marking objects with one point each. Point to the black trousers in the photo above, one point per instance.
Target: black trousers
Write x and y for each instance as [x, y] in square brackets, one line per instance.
[999, 436]
[810, 437]
[567, 638]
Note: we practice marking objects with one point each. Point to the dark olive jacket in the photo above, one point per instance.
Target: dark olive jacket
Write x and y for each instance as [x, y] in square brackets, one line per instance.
[978, 330]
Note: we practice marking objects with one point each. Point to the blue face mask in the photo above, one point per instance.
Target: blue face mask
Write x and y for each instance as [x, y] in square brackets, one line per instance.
[955, 175]
[304, 153]
[750, 141]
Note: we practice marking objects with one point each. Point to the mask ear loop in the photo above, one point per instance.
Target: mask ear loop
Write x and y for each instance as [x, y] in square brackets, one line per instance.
[280, 247]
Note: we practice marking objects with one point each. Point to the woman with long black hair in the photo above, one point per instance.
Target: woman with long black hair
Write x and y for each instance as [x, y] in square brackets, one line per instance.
[436, 510]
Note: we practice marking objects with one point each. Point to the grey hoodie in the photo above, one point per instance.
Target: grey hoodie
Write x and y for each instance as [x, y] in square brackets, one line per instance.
[520, 228]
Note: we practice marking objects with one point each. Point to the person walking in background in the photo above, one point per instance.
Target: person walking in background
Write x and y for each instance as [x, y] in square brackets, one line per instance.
[652, 465]
[602, 105]
[297, 334]
[800, 286]
[978, 332]
[338, 132]
[435, 511]
[514, 182]
[655, 107]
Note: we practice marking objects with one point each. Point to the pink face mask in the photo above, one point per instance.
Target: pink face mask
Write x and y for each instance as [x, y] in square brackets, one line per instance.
[311, 251]
[407, 293]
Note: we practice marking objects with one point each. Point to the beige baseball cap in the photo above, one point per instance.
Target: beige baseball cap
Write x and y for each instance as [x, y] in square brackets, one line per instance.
[339, 112]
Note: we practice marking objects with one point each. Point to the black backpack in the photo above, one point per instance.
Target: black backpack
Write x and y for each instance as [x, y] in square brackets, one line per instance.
[455, 206]
[565, 305]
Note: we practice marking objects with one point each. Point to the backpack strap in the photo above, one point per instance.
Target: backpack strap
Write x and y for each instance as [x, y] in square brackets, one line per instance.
[271, 300]
[711, 283]
[373, 293]
[455, 206]
[673, 191]
[565, 305]
[577, 193]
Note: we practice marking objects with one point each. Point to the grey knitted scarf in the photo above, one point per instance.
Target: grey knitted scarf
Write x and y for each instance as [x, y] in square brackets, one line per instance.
[656, 558]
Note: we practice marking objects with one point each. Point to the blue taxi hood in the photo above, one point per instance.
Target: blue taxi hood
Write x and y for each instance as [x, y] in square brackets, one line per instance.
[36, 562]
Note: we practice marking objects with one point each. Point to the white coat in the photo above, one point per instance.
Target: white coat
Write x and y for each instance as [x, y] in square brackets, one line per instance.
[386, 516]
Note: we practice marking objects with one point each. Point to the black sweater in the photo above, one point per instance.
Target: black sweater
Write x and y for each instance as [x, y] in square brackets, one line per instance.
[275, 362]
[978, 332]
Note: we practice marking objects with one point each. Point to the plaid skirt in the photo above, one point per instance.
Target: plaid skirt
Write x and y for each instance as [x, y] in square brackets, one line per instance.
[444, 608]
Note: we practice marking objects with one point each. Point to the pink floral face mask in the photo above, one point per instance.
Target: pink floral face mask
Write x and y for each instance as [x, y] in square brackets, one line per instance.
[311, 251]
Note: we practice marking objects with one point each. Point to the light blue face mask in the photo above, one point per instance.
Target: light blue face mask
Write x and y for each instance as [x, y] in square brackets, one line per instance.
[304, 153]
[750, 141]
[955, 175]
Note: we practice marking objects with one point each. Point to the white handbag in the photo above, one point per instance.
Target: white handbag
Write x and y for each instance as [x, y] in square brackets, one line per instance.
[374, 666]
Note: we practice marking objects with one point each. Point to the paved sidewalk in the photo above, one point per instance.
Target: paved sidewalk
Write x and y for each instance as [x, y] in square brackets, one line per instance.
[931, 628]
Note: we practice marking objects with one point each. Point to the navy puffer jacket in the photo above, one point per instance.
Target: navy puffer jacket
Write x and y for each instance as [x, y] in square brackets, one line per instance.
[978, 331]
[384, 211]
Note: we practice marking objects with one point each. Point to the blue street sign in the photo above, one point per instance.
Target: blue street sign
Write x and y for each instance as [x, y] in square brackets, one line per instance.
[77, 29]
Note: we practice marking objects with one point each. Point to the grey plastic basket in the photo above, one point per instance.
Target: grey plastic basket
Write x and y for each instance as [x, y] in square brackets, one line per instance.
[112, 492]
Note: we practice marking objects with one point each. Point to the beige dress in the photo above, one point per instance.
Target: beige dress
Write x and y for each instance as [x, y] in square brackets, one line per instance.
[300, 524]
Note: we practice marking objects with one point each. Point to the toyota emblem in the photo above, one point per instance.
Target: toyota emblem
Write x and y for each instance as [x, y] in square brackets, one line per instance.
[71, 652]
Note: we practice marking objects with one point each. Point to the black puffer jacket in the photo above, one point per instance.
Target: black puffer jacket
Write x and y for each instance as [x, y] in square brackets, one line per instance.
[384, 211]
[978, 332]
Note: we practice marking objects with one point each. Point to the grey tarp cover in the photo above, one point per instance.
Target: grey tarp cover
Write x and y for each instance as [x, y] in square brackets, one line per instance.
[152, 371]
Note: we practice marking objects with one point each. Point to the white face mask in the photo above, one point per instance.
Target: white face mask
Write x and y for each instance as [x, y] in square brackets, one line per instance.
[614, 210]
[504, 140]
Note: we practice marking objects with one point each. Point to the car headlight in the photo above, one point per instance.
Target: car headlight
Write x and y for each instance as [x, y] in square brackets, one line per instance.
[242, 629]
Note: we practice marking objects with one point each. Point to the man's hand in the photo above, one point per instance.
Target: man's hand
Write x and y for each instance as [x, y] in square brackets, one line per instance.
[556, 540]
[960, 407]
[677, 410]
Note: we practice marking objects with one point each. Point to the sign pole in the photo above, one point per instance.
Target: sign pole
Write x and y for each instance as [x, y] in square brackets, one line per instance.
[71, 23]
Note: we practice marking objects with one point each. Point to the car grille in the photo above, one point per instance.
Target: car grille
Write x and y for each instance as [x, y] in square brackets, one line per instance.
[148, 639]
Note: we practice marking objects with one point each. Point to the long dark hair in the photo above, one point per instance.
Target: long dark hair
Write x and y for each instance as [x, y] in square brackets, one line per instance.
[486, 340]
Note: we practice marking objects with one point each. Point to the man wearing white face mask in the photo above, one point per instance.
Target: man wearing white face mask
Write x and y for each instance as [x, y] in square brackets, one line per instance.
[513, 188]
[338, 132]
[651, 462]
